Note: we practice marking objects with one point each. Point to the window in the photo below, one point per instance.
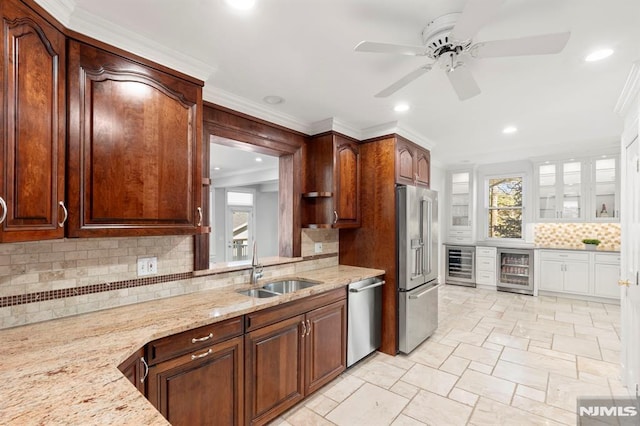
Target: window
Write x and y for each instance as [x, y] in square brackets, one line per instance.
[505, 207]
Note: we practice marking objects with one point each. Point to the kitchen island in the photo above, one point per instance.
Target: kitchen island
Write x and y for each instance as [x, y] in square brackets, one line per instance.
[65, 371]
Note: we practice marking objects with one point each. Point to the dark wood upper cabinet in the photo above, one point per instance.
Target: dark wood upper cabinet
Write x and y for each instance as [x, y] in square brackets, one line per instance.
[32, 128]
[331, 198]
[413, 163]
[135, 150]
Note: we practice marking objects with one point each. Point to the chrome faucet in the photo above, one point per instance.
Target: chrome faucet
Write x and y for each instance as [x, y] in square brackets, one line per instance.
[256, 268]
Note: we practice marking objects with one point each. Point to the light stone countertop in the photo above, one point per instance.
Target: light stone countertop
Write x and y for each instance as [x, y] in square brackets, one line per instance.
[65, 371]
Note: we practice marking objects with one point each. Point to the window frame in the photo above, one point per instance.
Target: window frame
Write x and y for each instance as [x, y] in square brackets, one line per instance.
[486, 192]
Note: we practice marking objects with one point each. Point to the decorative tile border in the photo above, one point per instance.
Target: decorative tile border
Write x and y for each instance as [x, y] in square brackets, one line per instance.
[42, 296]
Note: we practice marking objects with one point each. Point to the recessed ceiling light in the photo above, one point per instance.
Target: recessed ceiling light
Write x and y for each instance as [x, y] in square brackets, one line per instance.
[241, 4]
[216, 168]
[598, 55]
[401, 108]
[273, 99]
[509, 129]
[259, 160]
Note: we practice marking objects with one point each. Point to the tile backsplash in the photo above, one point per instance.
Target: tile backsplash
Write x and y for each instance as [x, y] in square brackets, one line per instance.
[572, 234]
[51, 279]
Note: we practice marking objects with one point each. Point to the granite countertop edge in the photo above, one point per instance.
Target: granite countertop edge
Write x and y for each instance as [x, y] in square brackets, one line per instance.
[65, 370]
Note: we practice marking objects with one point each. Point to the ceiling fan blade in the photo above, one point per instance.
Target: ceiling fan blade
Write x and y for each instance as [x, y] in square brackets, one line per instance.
[475, 15]
[534, 45]
[463, 82]
[400, 49]
[403, 81]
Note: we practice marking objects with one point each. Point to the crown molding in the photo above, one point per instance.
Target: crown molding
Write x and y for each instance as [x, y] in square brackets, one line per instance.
[630, 92]
[118, 36]
[62, 10]
[333, 124]
[237, 103]
[399, 129]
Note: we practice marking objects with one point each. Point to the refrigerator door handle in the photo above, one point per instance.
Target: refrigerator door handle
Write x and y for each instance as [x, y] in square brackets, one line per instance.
[426, 237]
[419, 295]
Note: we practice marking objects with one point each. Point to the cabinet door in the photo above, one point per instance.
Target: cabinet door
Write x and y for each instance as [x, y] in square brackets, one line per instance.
[202, 388]
[274, 361]
[605, 199]
[326, 345]
[32, 127]
[134, 152]
[551, 275]
[606, 280]
[423, 167]
[346, 184]
[134, 369]
[405, 163]
[576, 277]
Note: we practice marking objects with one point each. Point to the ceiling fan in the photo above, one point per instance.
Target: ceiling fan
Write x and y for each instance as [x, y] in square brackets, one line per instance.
[448, 41]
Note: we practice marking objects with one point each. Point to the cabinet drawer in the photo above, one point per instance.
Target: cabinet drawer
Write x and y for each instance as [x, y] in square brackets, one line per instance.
[453, 239]
[486, 277]
[486, 251]
[192, 340]
[460, 233]
[486, 264]
[608, 258]
[564, 255]
[269, 316]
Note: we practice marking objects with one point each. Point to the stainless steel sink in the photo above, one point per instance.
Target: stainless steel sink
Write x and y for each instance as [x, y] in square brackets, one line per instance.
[288, 286]
[259, 293]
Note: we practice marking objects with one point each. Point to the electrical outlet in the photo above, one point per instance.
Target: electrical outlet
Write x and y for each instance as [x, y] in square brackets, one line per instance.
[318, 247]
[147, 266]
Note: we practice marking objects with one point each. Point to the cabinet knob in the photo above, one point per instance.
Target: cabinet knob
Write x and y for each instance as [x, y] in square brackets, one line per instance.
[66, 214]
[623, 283]
[4, 210]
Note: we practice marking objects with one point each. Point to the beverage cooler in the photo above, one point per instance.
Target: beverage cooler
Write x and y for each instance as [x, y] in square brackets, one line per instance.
[515, 270]
[461, 269]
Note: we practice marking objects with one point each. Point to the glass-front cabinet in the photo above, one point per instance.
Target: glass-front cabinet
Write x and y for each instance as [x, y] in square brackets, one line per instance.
[461, 199]
[605, 186]
[577, 190]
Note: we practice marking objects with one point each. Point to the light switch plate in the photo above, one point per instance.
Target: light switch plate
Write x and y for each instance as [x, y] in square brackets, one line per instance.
[147, 266]
[318, 247]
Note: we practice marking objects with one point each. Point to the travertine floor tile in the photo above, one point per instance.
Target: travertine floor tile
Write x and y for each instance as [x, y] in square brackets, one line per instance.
[342, 387]
[544, 410]
[577, 346]
[598, 368]
[531, 393]
[436, 410]
[455, 365]
[564, 391]
[432, 354]
[369, 405]
[430, 379]
[521, 374]
[507, 340]
[403, 420]
[539, 361]
[463, 396]
[404, 389]
[320, 404]
[488, 412]
[487, 386]
[306, 417]
[475, 353]
[380, 373]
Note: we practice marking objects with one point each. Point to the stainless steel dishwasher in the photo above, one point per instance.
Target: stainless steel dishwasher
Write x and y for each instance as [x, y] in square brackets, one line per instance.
[364, 318]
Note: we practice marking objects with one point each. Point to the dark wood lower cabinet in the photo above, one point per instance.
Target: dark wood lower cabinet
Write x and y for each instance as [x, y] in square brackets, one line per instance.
[201, 388]
[274, 369]
[135, 369]
[289, 360]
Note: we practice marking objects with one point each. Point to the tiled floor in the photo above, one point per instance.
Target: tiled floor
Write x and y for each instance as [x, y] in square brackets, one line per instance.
[496, 359]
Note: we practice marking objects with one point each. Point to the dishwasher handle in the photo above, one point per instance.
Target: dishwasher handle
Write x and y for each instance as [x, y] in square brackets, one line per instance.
[369, 287]
[419, 295]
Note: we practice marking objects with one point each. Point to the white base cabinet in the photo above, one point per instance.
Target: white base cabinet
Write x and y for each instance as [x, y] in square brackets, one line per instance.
[580, 273]
[486, 266]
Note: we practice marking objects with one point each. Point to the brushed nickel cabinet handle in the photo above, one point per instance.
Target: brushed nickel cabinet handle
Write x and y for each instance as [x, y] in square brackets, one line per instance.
[199, 209]
[335, 216]
[308, 327]
[4, 210]
[202, 355]
[146, 370]
[304, 329]
[66, 214]
[202, 339]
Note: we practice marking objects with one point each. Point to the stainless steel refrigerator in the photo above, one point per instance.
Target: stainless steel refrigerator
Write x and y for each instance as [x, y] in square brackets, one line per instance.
[417, 231]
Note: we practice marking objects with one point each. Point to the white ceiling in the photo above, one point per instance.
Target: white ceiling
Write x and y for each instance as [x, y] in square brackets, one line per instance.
[237, 167]
[303, 51]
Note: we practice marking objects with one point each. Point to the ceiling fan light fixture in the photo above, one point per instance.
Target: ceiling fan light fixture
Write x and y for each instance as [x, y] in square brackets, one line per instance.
[401, 108]
[241, 4]
[598, 55]
[509, 130]
[273, 99]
